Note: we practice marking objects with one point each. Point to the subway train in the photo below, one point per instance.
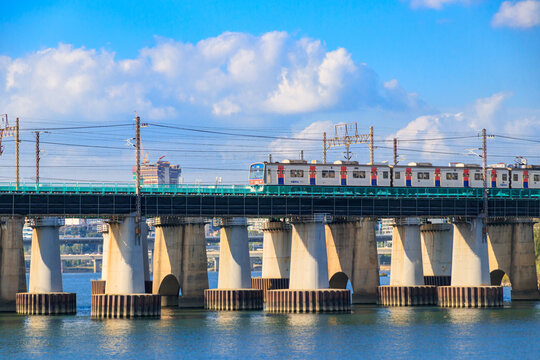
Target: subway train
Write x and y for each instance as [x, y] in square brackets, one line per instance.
[351, 173]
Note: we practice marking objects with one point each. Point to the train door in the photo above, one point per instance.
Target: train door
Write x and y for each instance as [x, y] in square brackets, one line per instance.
[437, 177]
[312, 175]
[373, 176]
[493, 178]
[343, 175]
[281, 175]
[408, 177]
[466, 178]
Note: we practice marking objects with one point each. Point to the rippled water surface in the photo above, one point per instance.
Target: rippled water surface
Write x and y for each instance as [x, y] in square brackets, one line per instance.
[368, 332]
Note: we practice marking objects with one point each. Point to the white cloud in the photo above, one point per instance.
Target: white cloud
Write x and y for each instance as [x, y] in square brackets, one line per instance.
[428, 127]
[520, 14]
[233, 73]
[289, 149]
[489, 112]
[436, 4]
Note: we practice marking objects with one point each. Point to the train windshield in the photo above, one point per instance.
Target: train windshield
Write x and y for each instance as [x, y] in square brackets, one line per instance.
[256, 171]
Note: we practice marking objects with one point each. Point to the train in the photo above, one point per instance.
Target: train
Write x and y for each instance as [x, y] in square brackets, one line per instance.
[351, 173]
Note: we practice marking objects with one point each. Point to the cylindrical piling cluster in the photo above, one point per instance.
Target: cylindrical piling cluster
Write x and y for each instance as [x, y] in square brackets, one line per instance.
[97, 287]
[233, 299]
[46, 303]
[125, 306]
[470, 296]
[266, 284]
[439, 280]
[298, 301]
[407, 295]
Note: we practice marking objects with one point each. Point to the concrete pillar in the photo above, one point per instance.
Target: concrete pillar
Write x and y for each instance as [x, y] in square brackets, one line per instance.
[309, 261]
[276, 250]
[365, 268]
[12, 266]
[180, 261]
[144, 242]
[406, 267]
[352, 250]
[469, 254]
[105, 253]
[45, 263]
[436, 242]
[234, 267]
[511, 250]
[125, 264]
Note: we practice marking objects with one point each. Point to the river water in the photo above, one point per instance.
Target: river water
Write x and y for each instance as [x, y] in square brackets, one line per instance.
[369, 332]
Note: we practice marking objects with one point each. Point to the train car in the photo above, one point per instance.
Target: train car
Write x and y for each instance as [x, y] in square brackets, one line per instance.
[300, 172]
[525, 177]
[453, 176]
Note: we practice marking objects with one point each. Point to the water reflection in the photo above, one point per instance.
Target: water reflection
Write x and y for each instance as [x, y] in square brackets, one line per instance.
[117, 334]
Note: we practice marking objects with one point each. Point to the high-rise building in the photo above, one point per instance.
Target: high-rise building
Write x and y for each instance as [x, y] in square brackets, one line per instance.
[160, 173]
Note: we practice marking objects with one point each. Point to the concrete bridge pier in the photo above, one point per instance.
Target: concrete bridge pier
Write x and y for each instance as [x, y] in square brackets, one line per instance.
[470, 269]
[511, 252]
[309, 284]
[234, 290]
[276, 257]
[352, 254]
[436, 242]
[180, 261]
[12, 266]
[125, 273]
[406, 270]
[98, 286]
[45, 295]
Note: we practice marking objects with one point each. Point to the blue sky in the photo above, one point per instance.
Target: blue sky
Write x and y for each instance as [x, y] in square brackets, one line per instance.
[411, 68]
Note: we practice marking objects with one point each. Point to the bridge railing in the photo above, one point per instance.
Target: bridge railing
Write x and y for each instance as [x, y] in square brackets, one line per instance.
[268, 190]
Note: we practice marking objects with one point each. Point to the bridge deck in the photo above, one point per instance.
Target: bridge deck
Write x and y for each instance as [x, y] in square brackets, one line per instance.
[102, 200]
[267, 190]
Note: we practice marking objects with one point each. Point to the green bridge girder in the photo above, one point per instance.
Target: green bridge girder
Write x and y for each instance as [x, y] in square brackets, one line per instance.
[267, 190]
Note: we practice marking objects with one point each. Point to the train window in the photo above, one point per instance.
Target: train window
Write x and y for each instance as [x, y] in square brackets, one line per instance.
[536, 177]
[297, 173]
[426, 176]
[385, 174]
[359, 174]
[397, 175]
[515, 177]
[328, 174]
[420, 176]
[477, 176]
[451, 176]
[504, 177]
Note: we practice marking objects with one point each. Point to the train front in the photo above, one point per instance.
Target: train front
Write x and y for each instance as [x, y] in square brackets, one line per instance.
[256, 174]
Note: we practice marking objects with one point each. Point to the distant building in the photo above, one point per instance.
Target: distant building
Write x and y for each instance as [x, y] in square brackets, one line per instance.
[73, 222]
[385, 227]
[160, 173]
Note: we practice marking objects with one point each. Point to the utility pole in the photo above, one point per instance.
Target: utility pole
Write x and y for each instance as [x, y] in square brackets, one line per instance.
[5, 131]
[485, 192]
[371, 147]
[37, 157]
[324, 147]
[17, 144]
[138, 178]
[347, 135]
[395, 152]
[138, 211]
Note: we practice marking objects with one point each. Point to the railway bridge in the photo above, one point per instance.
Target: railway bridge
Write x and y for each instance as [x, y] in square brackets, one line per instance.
[315, 239]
